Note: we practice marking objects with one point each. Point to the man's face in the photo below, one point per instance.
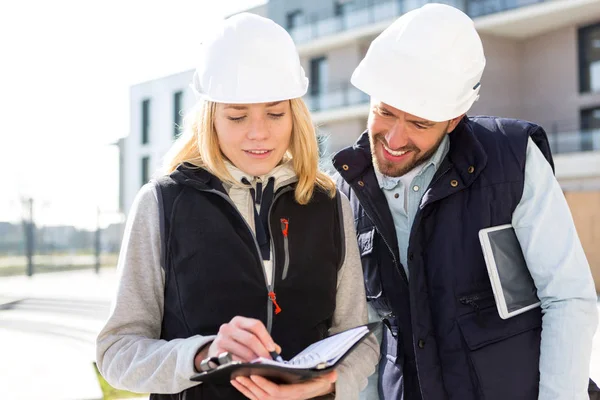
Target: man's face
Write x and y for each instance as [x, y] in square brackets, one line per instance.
[401, 141]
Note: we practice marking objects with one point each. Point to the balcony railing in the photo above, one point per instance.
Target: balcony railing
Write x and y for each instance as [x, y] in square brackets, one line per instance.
[575, 141]
[387, 10]
[342, 96]
[348, 20]
[478, 8]
[561, 141]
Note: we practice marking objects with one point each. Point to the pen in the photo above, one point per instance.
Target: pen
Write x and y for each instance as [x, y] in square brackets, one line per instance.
[275, 356]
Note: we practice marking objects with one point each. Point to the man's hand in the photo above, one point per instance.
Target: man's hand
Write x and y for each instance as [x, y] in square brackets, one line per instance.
[244, 338]
[258, 388]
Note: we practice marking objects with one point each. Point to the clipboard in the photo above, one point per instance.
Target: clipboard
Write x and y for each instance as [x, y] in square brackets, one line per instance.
[278, 372]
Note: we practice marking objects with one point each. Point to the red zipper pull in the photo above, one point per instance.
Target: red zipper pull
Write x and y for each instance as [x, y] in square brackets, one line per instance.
[274, 300]
[284, 226]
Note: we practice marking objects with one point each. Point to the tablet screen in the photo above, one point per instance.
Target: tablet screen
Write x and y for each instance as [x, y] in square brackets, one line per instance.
[515, 280]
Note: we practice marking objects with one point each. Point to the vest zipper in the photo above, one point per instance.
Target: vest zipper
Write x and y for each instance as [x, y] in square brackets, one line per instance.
[416, 222]
[285, 224]
[271, 297]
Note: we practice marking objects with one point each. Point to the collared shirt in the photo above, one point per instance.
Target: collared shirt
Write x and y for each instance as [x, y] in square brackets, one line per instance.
[404, 193]
[554, 255]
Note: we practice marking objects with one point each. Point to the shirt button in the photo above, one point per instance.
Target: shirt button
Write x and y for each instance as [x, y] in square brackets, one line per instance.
[421, 344]
[411, 256]
[361, 183]
[345, 167]
[415, 188]
[454, 183]
[396, 195]
[471, 169]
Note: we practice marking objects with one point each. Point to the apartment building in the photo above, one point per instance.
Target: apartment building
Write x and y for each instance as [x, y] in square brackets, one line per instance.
[543, 65]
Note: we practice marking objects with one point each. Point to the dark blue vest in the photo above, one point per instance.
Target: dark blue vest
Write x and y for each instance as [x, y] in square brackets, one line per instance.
[213, 267]
[445, 338]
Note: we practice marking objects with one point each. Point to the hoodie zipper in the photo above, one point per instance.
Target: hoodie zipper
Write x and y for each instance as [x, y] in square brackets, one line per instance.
[271, 296]
[285, 225]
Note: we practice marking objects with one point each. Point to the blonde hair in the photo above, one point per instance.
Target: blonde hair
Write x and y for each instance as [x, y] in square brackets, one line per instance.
[198, 145]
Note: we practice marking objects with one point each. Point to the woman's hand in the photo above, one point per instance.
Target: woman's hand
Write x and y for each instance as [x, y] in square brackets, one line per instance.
[258, 388]
[244, 338]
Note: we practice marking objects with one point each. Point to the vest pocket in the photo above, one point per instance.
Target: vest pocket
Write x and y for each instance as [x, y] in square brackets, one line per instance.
[369, 264]
[503, 353]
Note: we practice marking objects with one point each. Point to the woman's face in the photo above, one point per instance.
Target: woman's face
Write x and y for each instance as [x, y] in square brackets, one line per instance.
[254, 137]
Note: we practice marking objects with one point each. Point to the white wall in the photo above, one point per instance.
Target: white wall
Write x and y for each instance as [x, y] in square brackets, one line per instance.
[160, 92]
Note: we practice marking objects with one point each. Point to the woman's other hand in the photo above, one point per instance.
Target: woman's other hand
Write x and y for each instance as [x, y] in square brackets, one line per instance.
[258, 388]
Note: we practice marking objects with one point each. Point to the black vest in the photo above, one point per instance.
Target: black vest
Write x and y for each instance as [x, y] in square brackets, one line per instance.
[214, 271]
[447, 340]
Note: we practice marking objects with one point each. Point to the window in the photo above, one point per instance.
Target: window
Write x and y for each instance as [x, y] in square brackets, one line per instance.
[318, 75]
[319, 81]
[294, 19]
[341, 7]
[145, 170]
[177, 104]
[589, 59]
[145, 121]
[590, 121]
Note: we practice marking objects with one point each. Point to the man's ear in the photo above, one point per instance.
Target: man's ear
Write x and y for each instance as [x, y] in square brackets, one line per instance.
[453, 122]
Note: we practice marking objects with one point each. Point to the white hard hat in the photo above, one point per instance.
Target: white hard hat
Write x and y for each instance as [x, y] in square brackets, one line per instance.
[249, 59]
[428, 63]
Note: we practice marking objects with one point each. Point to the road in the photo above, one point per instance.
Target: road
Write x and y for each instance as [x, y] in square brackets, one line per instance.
[48, 325]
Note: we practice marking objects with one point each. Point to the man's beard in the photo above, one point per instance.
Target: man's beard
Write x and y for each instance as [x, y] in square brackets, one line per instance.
[390, 168]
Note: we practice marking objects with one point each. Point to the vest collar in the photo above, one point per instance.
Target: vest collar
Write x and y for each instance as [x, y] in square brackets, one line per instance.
[466, 157]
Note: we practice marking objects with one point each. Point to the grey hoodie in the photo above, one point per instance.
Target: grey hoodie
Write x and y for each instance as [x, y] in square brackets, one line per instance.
[129, 351]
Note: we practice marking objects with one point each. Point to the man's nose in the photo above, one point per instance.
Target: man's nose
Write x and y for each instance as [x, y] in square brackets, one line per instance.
[396, 137]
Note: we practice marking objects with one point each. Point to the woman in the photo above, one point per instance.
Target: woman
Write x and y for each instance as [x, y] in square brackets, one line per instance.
[255, 250]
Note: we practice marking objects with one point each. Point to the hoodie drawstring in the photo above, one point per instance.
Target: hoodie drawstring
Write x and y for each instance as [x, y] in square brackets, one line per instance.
[264, 198]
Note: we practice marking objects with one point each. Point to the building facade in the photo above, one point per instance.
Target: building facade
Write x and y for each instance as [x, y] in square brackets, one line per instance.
[543, 65]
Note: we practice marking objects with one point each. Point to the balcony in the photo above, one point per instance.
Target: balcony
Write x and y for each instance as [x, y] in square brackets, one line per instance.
[575, 141]
[345, 101]
[387, 10]
[344, 95]
[340, 102]
[478, 8]
[577, 159]
[356, 18]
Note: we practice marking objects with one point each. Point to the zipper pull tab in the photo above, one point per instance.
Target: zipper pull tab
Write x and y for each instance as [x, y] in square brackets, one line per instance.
[274, 300]
[471, 302]
[284, 226]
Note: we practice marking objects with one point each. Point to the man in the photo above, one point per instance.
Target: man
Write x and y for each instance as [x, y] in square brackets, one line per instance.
[423, 180]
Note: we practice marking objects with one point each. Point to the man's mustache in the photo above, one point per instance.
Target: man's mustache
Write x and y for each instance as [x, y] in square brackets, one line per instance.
[410, 147]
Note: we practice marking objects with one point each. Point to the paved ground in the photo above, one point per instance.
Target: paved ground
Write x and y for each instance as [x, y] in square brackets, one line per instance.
[48, 325]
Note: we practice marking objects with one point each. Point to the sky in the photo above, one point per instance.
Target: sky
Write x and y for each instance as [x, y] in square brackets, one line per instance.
[65, 75]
